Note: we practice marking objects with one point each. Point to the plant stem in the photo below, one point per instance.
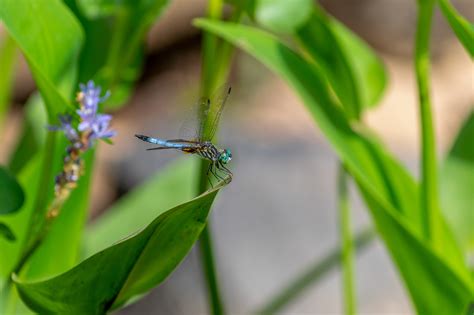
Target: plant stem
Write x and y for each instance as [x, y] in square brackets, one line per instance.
[207, 258]
[346, 243]
[314, 273]
[209, 60]
[429, 186]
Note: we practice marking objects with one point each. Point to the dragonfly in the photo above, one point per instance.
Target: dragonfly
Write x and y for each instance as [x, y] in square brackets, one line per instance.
[200, 144]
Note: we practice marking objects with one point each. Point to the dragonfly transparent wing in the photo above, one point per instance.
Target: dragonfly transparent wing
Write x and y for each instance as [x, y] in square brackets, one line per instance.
[192, 128]
[211, 115]
[203, 117]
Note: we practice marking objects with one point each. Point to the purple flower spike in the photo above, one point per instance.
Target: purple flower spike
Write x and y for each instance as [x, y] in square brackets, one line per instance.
[92, 125]
[66, 127]
[90, 100]
[100, 127]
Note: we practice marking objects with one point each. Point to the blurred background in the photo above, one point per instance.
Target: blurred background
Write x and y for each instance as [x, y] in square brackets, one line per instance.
[278, 217]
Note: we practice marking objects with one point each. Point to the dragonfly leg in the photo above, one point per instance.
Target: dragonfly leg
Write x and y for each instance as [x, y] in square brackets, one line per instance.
[209, 169]
[214, 172]
[224, 169]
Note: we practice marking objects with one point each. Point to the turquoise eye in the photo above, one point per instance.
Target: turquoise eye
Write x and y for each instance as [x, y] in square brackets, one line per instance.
[226, 156]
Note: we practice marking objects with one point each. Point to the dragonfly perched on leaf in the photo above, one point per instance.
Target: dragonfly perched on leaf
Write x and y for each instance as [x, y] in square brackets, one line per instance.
[200, 143]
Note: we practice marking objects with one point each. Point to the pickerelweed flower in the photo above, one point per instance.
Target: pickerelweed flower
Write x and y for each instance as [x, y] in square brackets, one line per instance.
[91, 126]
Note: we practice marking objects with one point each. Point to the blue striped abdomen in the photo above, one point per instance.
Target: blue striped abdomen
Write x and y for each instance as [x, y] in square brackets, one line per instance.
[161, 142]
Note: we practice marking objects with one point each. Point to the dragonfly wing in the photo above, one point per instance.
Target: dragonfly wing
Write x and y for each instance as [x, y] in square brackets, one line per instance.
[191, 127]
[202, 119]
[214, 112]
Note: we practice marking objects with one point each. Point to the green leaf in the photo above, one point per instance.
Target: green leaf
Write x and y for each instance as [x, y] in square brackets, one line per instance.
[28, 179]
[166, 189]
[457, 182]
[114, 48]
[33, 133]
[392, 192]
[320, 42]
[131, 267]
[282, 16]
[58, 253]
[8, 56]
[367, 68]
[11, 193]
[434, 287]
[463, 29]
[50, 39]
[6, 232]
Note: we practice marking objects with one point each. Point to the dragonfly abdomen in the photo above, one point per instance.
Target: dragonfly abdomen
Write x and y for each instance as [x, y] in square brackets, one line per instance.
[160, 142]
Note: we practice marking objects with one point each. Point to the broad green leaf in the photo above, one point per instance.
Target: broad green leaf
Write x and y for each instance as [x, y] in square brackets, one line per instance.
[11, 193]
[282, 16]
[367, 68]
[58, 253]
[376, 171]
[323, 46]
[6, 233]
[8, 56]
[114, 47]
[162, 191]
[463, 29]
[130, 267]
[434, 287]
[50, 38]
[457, 182]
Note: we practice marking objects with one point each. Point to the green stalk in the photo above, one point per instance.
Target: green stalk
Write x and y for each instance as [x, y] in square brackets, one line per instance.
[429, 182]
[313, 274]
[209, 269]
[209, 49]
[347, 255]
[209, 57]
[216, 59]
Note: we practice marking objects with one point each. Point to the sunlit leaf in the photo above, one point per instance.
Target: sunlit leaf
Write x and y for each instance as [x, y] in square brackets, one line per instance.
[50, 38]
[131, 267]
[368, 69]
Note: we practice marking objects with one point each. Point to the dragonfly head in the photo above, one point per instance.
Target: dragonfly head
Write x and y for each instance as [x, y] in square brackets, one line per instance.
[225, 156]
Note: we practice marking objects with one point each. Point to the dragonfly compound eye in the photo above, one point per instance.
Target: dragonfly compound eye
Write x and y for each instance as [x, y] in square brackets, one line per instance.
[226, 156]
